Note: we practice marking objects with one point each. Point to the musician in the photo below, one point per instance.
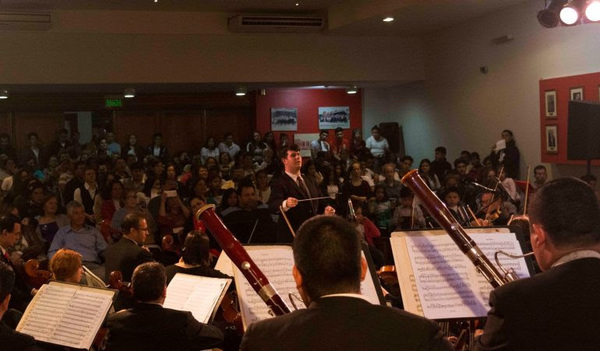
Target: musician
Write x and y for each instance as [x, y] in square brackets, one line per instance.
[328, 270]
[10, 231]
[148, 326]
[290, 187]
[128, 253]
[556, 309]
[9, 338]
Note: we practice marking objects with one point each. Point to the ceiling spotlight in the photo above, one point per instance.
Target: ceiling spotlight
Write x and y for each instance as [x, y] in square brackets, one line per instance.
[129, 93]
[548, 17]
[241, 91]
[3, 94]
[352, 90]
[592, 12]
[388, 19]
[572, 11]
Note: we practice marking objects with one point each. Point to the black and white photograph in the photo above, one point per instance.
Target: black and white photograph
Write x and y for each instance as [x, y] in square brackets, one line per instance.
[551, 103]
[284, 119]
[577, 94]
[552, 139]
[334, 117]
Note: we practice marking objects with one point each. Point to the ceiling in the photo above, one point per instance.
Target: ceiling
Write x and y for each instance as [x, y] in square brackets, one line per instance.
[346, 17]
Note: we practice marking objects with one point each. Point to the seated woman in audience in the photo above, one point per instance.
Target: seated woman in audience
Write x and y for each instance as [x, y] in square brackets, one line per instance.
[269, 140]
[171, 176]
[230, 202]
[356, 188]
[430, 178]
[381, 210]
[195, 259]
[214, 195]
[194, 204]
[211, 162]
[255, 148]
[110, 201]
[172, 215]
[131, 147]
[152, 188]
[209, 149]
[49, 222]
[225, 165]
[263, 189]
[310, 170]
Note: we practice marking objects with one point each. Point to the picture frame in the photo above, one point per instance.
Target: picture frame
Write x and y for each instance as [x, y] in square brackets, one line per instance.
[552, 139]
[576, 94]
[334, 117]
[550, 103]
[284, 119]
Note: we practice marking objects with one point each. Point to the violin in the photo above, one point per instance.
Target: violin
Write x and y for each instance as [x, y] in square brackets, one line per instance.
[115, 281]
[36, 276]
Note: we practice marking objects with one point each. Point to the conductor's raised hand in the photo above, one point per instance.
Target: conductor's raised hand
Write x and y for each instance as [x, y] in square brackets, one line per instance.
[291, 202]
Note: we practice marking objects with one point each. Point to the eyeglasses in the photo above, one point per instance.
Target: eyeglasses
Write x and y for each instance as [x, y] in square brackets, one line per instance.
[143, 229]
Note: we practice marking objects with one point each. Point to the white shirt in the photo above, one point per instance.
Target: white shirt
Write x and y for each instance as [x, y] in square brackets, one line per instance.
[377, 148]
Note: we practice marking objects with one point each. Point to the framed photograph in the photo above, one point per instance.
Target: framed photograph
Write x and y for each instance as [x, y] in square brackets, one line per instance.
[284, 119]
[303, 141]
[552, 139]
[577, 93]
[333, 117]
[551, 104]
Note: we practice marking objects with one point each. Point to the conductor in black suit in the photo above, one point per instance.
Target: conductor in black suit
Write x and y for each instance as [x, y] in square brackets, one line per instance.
[328, 270]
[558, 309]
[291, 192]
[150, 327]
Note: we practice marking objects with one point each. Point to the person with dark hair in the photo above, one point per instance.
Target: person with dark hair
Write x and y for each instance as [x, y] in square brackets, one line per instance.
[128, 253]
[540, 176]
[248, 223]
[33, 155]
[377, 144]
[227, 145]
[558, 308]
[110, 201]
[229, 202]
[10, 338]
[328, 270]
[157, 149]
[509, 156]
[288, 189]
[405, 165]
[320, 145]
[195, 258]
[131, 148]
[209, 149]
[339, 143]
[440, 166]
[149, 326]
[86, 194]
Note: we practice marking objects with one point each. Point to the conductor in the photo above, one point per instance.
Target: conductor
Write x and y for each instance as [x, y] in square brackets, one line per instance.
[293, 193]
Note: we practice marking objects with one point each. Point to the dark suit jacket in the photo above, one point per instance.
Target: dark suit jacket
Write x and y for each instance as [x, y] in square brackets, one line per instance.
[282, 188]
[555, 310]
[15, 341]
[345, 323]
[124, 256]
[21, 294]
[151, 327]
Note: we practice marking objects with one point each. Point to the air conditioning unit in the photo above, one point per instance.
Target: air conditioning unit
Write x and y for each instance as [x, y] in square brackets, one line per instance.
[275, 24]
[25, 20]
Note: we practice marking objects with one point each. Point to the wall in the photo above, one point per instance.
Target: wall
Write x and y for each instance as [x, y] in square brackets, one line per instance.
[461, 108]
[308, 102]
[91, 47]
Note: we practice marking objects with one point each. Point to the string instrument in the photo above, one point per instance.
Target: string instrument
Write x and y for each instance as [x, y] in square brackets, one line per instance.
[36, 276]
[115, 281]
[239, 256]
[442, 215]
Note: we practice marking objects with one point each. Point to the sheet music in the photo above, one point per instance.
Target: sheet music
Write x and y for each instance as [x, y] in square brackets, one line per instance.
[65, 314]
[276, 263]
[197, 294]
[440, 282]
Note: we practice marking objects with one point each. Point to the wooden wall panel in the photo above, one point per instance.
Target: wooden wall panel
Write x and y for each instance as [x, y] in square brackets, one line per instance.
[240, 122]
[142, 124]
[182, 131]
[45, 124]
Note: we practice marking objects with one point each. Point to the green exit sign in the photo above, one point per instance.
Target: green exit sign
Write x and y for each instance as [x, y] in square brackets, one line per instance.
[112, 103]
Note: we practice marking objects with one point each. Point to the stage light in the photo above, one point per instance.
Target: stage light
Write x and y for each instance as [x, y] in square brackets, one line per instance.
[592, 11]
[571, 12]
[548, 17]
[129, 93]
[388, 19]
[3, 94]
[352, 90]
